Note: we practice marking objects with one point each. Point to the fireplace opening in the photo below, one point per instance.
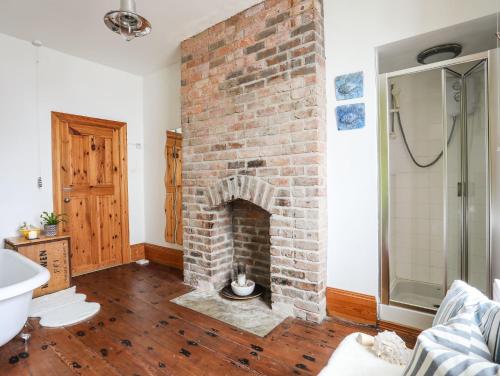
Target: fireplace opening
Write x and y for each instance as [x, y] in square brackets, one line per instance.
[242, 216]
[251, 240]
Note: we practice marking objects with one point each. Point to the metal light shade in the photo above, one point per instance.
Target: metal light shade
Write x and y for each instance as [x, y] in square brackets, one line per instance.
[127, 22]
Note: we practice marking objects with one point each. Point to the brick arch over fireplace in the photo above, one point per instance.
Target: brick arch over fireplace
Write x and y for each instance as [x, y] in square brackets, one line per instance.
[248, 188]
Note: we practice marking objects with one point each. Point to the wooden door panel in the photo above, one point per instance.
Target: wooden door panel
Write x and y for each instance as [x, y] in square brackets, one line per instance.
[174, 164]
[90, 188]
[79, 150]
[102, 159]
[174, 216]
[89, 129]
[173, 184]
[109, 230]
[79, 210]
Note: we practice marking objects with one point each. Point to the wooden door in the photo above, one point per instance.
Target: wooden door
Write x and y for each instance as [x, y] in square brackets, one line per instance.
[89, 167]
[173, 183]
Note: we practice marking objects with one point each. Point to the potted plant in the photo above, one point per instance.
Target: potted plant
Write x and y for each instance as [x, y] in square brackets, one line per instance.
[50, 222]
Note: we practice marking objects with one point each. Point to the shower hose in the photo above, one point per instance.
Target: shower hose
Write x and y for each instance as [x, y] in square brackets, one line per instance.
[438, 157]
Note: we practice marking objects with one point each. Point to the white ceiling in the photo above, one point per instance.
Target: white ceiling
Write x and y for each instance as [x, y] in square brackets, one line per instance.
[77, 28]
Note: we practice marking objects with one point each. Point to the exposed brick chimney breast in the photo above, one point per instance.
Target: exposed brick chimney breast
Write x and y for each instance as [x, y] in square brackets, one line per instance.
[254, 177]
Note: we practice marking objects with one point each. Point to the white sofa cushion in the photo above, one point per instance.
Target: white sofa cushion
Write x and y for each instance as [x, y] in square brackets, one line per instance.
[352, 359]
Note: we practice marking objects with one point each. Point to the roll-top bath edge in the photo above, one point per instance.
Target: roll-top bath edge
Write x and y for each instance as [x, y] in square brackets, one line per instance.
[19, 276]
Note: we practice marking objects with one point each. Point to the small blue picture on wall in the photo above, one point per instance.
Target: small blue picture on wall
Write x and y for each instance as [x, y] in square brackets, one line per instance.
[351, 116]
[349, 86]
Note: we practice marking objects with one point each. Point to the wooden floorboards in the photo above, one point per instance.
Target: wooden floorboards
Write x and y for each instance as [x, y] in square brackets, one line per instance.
[140, 332]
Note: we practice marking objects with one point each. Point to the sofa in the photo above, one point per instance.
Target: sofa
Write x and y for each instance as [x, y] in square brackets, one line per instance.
[464, 341]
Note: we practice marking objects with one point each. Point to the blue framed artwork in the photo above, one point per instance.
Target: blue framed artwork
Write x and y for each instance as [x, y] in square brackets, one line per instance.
[349, 86]
[351, 116]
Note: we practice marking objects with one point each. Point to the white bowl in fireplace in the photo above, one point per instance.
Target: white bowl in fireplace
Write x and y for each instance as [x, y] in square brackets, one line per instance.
[243, 290]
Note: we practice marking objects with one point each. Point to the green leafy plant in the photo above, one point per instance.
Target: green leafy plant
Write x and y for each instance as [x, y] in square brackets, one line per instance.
[52, 218]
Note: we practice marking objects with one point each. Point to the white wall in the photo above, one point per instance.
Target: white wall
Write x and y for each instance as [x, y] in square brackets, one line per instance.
[67, 84]
[352, 31]
[162, 107]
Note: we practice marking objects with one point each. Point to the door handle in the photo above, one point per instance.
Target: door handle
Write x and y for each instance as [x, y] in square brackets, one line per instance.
[66, 200]
[461, 189]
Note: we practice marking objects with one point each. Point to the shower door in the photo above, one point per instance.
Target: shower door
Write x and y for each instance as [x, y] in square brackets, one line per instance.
[475, 263]
[434, 182]
[466, 178]
[453, 216]
[416, 170]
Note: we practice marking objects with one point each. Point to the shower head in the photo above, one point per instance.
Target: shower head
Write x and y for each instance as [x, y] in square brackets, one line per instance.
[439, 53]
[127, 22]
[395, 93]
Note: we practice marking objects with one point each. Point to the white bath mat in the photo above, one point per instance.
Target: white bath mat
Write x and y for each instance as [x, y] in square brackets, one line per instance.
[62, 308]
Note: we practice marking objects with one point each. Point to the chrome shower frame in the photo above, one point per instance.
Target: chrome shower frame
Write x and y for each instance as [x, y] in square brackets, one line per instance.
[493, 183]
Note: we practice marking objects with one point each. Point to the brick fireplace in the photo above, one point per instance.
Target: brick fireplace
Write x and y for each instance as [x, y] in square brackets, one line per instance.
[254, 177]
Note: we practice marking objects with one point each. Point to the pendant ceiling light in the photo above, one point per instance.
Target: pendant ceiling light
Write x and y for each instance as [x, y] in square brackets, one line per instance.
[127, 22]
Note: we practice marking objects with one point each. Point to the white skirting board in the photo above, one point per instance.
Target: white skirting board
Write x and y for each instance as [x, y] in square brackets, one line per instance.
[62, 308]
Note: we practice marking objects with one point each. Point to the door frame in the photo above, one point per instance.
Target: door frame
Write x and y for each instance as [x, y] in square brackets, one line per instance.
[59, 118]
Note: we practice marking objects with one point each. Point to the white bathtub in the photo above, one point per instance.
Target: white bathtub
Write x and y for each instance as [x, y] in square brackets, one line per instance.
[19, 276]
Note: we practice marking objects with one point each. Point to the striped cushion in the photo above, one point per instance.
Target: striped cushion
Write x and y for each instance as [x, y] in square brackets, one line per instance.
[460, 295]
[489, 313]
[453, 349]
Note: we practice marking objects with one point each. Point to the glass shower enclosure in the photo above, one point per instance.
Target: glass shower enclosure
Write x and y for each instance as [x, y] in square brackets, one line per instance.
[434, 150]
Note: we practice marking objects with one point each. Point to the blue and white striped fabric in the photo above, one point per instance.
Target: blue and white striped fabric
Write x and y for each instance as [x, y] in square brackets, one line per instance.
[460, 295]
[453, 349]
[489, 313]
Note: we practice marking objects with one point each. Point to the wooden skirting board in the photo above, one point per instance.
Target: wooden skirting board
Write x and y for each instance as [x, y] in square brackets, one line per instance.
[400, 329]
[351, 306]
[155, 253]
[137, 252]
[361, 308]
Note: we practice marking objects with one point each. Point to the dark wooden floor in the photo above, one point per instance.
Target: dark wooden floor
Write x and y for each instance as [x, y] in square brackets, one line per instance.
[140, 332]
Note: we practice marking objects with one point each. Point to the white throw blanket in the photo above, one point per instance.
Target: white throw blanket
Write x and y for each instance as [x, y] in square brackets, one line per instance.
[353, 359]
[390, 347]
